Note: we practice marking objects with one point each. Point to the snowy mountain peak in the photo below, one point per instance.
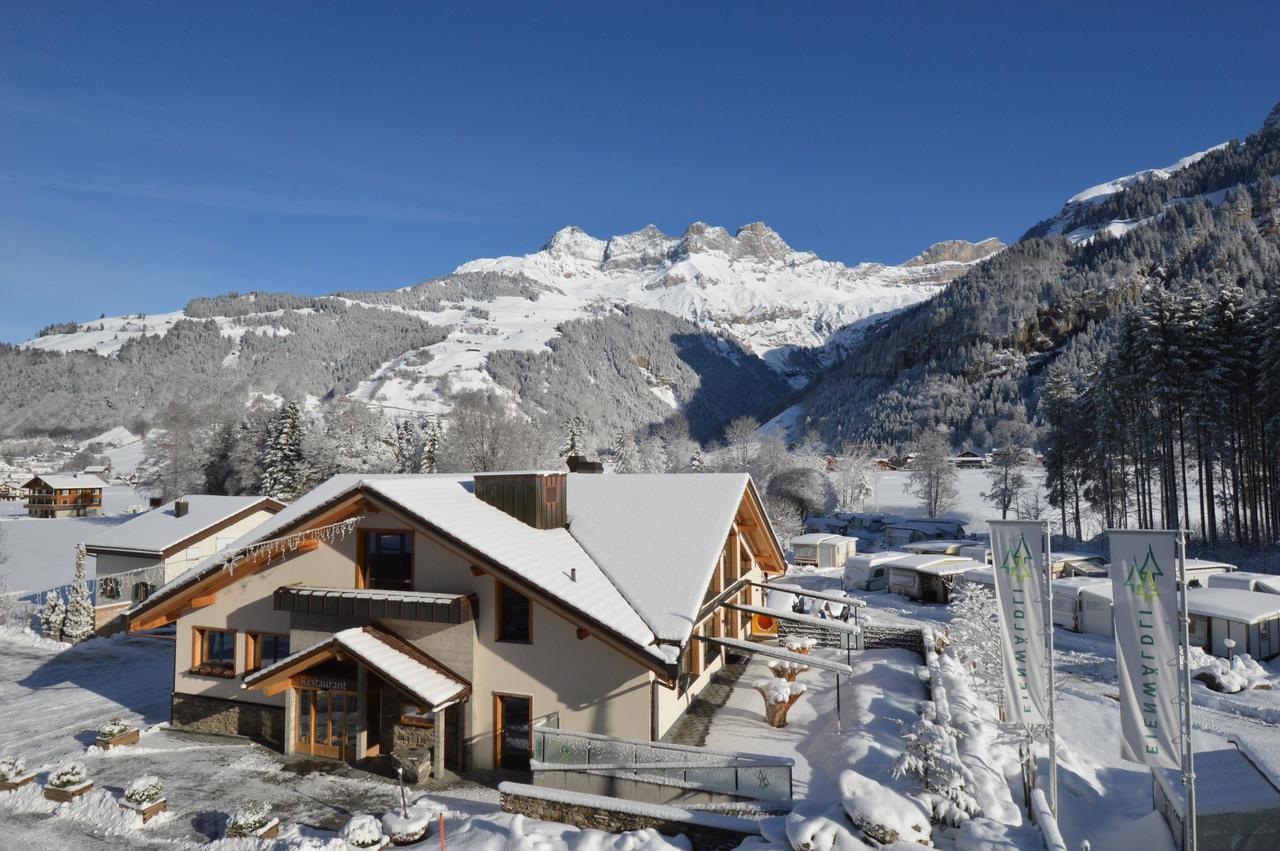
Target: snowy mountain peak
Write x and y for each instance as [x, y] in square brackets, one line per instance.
[761, 242]
[575, 242]
[956, 251]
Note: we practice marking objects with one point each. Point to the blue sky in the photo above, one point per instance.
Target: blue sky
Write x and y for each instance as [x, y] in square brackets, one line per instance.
[151, 152]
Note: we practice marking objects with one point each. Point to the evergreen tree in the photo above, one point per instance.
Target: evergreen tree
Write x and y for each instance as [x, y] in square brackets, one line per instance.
[432, 440]
[53, 616]
[624, 452]
[408, 446]
[932, 758]
[282, 462]
[79, 615]
[696, 463]
[574, 443]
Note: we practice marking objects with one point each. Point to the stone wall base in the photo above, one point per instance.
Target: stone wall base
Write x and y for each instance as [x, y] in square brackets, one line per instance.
[886, 637]
[215, 716]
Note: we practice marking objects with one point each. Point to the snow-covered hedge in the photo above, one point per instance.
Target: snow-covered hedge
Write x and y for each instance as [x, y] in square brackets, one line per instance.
[145, 790]
[362, 831]
[11, 768]
[249, 817]
[115, 727]
[68, 774]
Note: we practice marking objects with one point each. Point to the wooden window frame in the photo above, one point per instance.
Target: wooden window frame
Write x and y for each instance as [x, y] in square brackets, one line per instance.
[197, 652]
[499, 589]
[497, 724]
[362, 576]
[252, 650]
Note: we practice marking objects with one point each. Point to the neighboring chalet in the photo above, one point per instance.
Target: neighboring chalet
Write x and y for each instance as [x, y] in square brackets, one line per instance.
[137, 557]
[102, 471]
[10, 492]
[968, 460]
[395, 613]
[64, 495]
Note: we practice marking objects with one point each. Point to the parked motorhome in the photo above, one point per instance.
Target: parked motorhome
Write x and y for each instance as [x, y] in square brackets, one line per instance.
[1068, 604]
[1237, 797]
[821, 550]
[902, 532]
[1095, 609]
[1078, 564]
[978, 552]
[928, 578]
[869, 572]
[1245, 580]
[391, 614]
[1250, 619]
[985, 575]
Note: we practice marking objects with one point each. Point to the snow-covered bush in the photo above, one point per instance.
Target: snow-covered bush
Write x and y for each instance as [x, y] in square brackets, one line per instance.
[932, 758]
[249, 817]
[68, 774]
[1238, 673]
[973, 637]
[53, 616]
[11, 768]
[883, 815]
[115, 727]
[145, 790]
[362, 831]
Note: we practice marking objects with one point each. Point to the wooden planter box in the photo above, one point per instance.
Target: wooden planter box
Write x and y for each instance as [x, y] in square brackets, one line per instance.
[270, 830]
[148, 811]
[10, 785]
[70, 793]
[129, 737]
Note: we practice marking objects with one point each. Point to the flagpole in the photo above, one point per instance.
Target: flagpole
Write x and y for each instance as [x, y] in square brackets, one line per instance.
[1189, 835]
[1053, 732]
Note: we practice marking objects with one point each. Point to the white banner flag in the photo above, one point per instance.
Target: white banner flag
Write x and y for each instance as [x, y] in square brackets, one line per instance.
[1021, 571]
[1144, 582]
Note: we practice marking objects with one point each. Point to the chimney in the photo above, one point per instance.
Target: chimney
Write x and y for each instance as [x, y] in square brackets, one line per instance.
[536, 499]
[155, 502]
[180, 508]
[580, 464]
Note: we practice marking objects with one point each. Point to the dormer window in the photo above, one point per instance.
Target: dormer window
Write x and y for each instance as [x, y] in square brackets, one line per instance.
[387, 561]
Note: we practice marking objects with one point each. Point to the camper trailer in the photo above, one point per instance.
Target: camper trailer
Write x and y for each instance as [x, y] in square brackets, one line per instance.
[903, 532]
[1237, 802]
[869, 572]
[1199, 570]
[928, 578]
[982, 576]
[1068, 605]
[980, 553]
[937, 548]
[1078, 564]
[822, 550]
[1245, 580]
[1095, 609]
[1250, 619]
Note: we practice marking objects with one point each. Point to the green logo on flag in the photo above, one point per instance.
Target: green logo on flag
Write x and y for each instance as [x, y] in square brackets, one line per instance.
[1017, 560]
[1141, 578]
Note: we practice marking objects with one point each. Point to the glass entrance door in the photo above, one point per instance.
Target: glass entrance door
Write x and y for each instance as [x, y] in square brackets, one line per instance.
[327, 723]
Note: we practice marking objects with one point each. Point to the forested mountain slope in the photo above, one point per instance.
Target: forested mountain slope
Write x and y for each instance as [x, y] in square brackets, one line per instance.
[975, 355]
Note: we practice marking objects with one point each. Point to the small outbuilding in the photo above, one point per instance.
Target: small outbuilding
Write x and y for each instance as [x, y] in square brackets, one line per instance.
[818, 549]
[928, 578]
[1237, 800]
[1248, 618]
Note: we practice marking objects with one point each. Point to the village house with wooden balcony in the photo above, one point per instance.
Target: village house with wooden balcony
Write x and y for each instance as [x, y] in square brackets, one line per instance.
[64, 495]
[392, 614]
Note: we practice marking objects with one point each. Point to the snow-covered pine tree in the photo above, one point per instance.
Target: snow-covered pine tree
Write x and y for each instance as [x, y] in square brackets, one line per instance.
[408, 446]
[973, 637]
[932, 758]
[696, 462]
[79, 619]
[624, 452]
[432, 439]
[574, 442]
[53, 616]
[283, 476]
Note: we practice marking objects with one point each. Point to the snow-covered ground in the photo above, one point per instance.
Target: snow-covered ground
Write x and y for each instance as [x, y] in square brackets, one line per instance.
[54, 698]
[892, 495]
[42, 550]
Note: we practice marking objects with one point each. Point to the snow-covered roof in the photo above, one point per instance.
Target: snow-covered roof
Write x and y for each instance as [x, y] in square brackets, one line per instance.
[926, 525]
[411, 675]
[982, 575]
[1233, 604]
[920, 561]
[1069, 557]
[872, 559]
[62, 481]
[1209, 564]
[1263, 751]
[950, 568]
[812, 538]
[161, 528]
[1074, 584]
[1227, 781]
[1101, 591]
[658, 537]
[937, 546]
[1246, 579]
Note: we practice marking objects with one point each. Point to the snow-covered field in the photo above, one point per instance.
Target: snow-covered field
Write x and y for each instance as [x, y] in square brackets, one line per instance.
[892, 495]
[42, 550]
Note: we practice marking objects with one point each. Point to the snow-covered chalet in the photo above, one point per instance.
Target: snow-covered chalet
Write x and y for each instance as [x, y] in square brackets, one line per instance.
[398, 613]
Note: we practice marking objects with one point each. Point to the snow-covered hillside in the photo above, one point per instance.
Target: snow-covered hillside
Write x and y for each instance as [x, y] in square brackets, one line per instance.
[790, 308]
